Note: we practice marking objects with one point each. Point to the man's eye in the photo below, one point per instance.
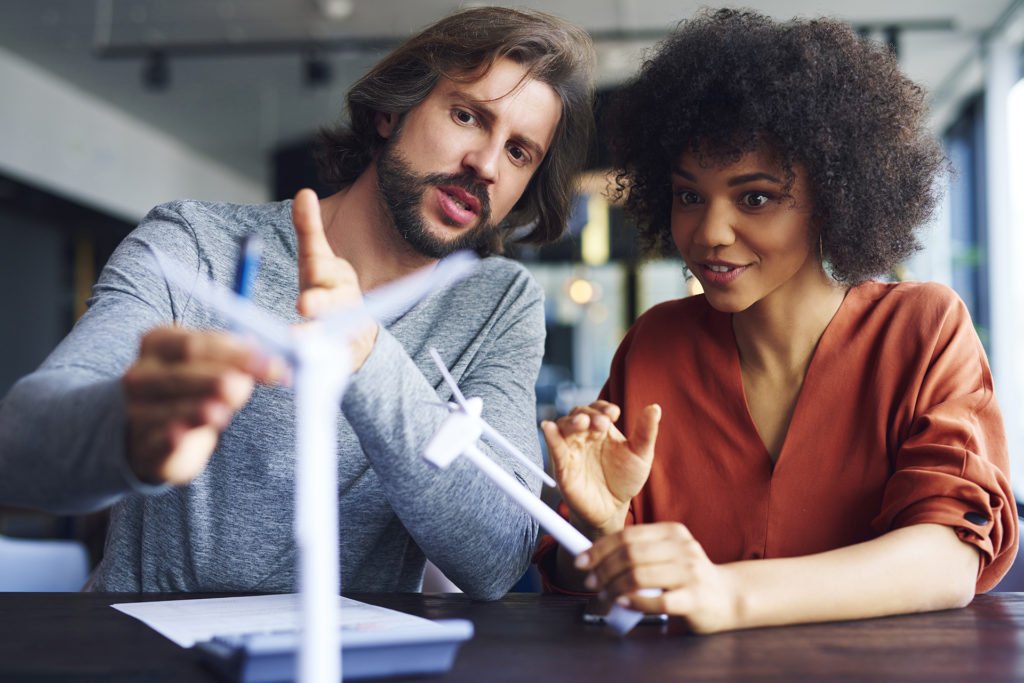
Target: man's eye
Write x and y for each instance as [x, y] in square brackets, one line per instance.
[756, 199]
[517, 153]
[463, 116]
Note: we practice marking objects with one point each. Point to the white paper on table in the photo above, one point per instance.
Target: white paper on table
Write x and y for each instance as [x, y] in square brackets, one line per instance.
[187, 622]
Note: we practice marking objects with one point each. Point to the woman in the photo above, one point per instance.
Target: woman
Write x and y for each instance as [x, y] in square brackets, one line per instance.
[830, 447]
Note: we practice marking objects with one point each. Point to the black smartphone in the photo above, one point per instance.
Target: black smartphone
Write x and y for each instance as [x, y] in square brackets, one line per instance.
[597, 610]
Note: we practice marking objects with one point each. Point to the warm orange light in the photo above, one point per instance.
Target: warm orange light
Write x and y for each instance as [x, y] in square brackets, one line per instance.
[581, 291]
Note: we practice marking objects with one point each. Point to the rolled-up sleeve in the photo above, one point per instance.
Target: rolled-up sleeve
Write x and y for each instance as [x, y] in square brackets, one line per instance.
[952, 464]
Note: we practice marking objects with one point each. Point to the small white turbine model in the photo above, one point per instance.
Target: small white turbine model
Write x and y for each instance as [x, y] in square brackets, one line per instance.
[458, 435]
[464, 427]
[319, 358]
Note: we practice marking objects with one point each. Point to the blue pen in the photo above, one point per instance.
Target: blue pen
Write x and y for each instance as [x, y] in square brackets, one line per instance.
[250, 252]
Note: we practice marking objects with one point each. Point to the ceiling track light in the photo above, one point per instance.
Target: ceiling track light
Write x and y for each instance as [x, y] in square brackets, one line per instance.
[156, 72]
[892, 39]
[316, 70]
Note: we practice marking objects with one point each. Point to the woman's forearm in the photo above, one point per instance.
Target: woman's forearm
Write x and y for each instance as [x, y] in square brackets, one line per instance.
[914, 569]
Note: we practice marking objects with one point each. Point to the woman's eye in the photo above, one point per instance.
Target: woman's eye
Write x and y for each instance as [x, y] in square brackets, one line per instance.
[686, 197]
[755, 199]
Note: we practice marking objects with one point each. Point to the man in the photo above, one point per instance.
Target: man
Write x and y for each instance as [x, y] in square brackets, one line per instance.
[469, 130]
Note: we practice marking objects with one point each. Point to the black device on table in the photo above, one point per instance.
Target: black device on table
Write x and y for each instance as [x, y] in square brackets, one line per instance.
[597, 610]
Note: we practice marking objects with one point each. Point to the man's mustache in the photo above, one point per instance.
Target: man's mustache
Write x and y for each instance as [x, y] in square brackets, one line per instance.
[467, 182]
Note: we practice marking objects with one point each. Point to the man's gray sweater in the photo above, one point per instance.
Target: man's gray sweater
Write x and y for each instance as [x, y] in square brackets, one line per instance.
[62, 428]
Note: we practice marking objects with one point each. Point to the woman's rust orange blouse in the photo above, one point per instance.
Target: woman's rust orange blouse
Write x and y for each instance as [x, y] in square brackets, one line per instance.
[896, 424]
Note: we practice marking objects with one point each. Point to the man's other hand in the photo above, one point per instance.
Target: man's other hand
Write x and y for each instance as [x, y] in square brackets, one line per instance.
[182, 391]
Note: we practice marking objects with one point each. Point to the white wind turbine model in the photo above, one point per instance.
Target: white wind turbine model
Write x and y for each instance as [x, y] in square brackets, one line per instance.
[458, 435]
[464, 427]
[321, 366]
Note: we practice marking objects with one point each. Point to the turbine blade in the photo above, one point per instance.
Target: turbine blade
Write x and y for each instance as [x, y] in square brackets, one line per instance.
[449, 380]
[241, 313]
[389, 301]
[395, 298]
[494, 435]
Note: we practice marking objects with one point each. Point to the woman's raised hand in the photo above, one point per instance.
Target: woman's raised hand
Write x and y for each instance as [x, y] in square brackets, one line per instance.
[597, 467]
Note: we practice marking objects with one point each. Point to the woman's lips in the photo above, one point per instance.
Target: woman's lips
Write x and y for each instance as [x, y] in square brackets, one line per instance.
[720, 273]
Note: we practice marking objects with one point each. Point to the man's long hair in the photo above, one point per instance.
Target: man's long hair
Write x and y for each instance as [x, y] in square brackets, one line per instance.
[463, 47]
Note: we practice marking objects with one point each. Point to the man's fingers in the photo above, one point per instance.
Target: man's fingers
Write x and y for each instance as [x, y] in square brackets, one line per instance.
[191, 451]
[172, 440]
[316, 259]
[317, 301]
[175, 345]
[181, 393]
[170, 451]
[149, 382]
[155, 416]
[326, 282]
[309, 226]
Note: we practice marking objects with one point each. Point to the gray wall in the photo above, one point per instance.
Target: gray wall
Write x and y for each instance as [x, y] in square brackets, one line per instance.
[35, 294]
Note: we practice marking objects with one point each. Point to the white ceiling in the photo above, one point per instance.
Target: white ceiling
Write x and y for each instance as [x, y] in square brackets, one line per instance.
[236, 105]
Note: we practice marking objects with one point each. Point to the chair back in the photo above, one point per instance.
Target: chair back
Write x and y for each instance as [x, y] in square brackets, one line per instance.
[34, 565]
[1013, 582]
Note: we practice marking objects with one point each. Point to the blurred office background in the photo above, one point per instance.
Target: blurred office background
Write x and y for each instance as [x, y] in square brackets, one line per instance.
[108, 107]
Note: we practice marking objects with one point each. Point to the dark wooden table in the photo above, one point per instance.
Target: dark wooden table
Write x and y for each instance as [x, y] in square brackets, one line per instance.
[59, 638]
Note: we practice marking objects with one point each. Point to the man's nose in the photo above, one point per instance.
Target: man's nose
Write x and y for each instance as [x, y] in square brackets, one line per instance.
[483, 160]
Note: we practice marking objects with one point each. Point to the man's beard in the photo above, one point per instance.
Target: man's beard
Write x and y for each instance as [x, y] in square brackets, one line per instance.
[402, 192]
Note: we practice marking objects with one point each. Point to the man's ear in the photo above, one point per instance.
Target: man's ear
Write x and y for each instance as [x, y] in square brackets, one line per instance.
[385, 122]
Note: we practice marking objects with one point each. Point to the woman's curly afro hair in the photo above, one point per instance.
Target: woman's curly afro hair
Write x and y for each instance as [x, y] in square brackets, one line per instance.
[817, 95]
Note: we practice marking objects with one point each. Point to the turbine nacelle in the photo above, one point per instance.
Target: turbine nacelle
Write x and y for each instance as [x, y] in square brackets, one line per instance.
[457, 433]
[458, 436]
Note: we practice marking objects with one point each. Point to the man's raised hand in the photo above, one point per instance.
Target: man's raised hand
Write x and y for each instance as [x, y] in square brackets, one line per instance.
[326, 281]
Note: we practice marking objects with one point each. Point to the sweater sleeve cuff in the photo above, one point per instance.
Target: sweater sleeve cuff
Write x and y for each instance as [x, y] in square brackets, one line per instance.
[112, 441]
[374, 375]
